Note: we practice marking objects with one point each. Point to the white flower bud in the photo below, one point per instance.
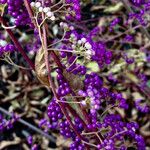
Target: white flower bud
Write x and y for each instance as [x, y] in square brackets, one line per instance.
[89, 52]
[65, 25]
[3, 43]
[46, 9]
[40, 9]
[61, 24]
[79, 42]
[37, 4]
[71, 28]
[83, 103]
[88, 45]
[72, 35]
[53, 18]
[32, 4]
[83, 40]
[49, 14]
[73, 46]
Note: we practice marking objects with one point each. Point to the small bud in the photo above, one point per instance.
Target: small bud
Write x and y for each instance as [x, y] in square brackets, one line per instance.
[83, 40]
[49, 14]
[32, 4]
[88, 45]
[40, 9]
[46, 9]
[83, 103]
[53, 18]
[71, 28]
[61, 24]
[37, 4]
[89, 52]
[72, 35]
[73, 46]
[65, 26]
[79, 42]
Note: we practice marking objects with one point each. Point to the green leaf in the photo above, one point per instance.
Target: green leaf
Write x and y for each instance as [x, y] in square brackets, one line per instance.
[93, 66]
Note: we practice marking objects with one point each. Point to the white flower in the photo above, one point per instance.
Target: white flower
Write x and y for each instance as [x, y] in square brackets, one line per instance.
[79, 42]
[61, 24]
[72, 35]
[83, 103]
[53, 18]
[46, 9]
[3, 43]
[32, 4]
[37, 4]
[49, 14]
[89, 52]
[88, 45]
[40, 9]
[73, 46]
[71, 28]
[83, 40]
[65, 25]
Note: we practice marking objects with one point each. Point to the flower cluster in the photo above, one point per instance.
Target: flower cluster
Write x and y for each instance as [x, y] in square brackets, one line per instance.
[138, 2]
[43, 9]
[84, 46]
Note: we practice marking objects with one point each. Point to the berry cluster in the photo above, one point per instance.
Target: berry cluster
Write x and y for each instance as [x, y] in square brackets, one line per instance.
[7, 48]
[54, 111]
[73, 9]
[20, 14]
[142, 107]
[77, 145]
[65, 130]
[7, 124]
[82, 107]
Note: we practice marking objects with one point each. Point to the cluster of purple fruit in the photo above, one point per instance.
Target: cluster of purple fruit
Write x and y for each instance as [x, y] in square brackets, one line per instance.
[85, 120]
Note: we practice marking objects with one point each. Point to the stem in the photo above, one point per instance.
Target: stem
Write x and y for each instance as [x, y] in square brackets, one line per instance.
[44, 45]
[112, 39]
[30, 12]
[17, 44]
